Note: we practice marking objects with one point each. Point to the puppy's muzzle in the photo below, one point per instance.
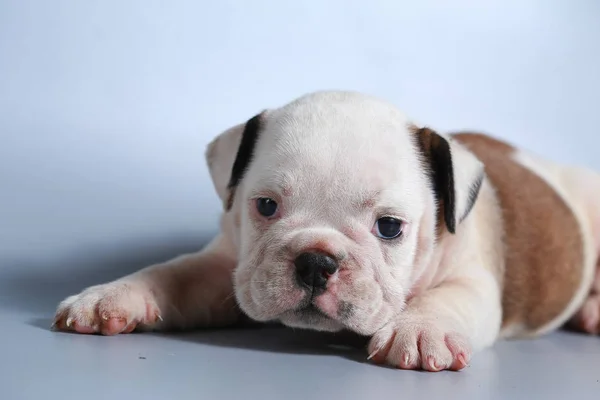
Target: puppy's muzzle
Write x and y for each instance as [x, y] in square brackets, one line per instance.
[313, 269]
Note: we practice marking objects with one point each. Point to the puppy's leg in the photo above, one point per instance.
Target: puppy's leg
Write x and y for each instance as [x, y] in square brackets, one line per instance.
[189, 291]
[440, 328]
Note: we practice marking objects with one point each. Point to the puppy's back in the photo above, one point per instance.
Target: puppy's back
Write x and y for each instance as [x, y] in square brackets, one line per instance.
[546, 252]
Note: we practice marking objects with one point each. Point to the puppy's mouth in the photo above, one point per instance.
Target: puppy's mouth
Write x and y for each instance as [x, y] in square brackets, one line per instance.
[311, 311]
[309, 314]
[307, 307]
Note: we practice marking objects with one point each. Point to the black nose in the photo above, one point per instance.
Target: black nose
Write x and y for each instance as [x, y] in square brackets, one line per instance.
[313, 269]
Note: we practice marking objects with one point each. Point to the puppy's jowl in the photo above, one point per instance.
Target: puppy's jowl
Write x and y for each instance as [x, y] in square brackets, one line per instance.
[340, 213]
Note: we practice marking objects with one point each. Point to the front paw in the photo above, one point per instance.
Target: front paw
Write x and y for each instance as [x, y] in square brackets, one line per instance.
[421, 343]
[109, 309]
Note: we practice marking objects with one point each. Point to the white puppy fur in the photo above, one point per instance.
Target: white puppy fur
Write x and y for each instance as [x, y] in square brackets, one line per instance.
[335, 163]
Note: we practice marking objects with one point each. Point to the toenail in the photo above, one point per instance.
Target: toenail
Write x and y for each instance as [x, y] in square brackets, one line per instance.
[432, 364]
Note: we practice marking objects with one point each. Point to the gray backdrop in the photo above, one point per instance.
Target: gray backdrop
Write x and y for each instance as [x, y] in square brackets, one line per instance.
[106, 108]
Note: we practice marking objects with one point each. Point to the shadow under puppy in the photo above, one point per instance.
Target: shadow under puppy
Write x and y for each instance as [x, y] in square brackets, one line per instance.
[340, 213]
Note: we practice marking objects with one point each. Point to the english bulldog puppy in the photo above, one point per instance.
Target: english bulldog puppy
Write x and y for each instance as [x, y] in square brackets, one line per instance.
[341, 213]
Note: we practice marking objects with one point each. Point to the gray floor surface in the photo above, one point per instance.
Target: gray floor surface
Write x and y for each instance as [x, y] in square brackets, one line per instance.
[261, 362]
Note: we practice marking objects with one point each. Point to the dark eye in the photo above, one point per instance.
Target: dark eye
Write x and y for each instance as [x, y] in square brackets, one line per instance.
[388, 228]
[266, 207]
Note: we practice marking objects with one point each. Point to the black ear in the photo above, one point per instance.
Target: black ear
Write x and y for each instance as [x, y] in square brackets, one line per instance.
[244, 156]
[456, 176]
[228, 156]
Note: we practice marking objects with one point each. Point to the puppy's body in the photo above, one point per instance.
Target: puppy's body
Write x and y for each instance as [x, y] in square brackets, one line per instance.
[550, 224]
[492, 242]
[550, 235]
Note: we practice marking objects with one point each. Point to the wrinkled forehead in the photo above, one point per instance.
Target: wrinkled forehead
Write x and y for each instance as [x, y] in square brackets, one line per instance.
[340, 121]
[357, 143]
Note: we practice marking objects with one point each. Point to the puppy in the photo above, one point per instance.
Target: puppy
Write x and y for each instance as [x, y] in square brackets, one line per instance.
[340, 213]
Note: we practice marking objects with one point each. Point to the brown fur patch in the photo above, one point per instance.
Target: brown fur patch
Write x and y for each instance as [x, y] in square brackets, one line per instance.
[544, 251]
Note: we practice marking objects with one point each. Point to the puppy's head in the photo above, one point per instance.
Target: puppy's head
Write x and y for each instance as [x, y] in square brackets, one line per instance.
[335, 202]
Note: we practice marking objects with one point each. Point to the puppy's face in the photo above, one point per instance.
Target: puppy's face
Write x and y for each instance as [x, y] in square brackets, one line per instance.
[334, 212]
